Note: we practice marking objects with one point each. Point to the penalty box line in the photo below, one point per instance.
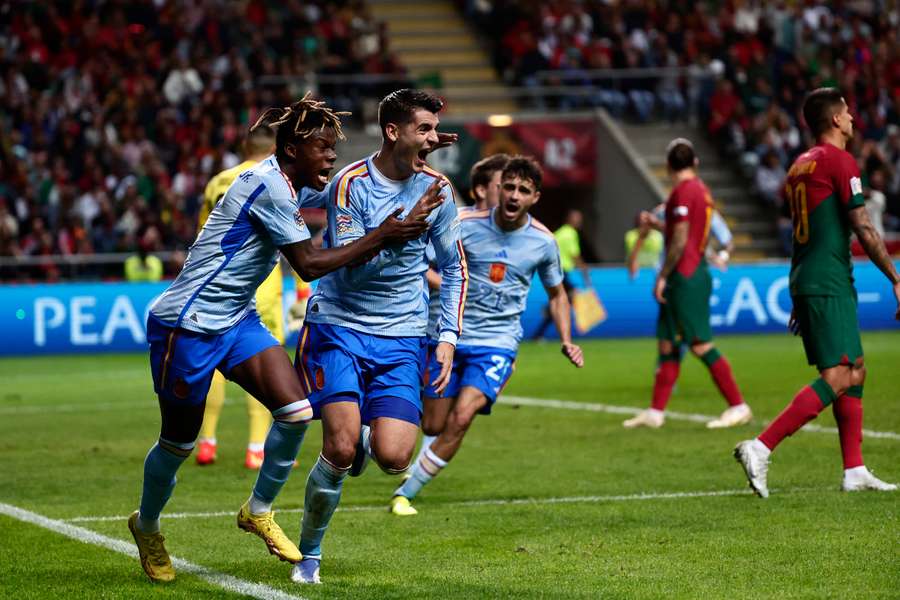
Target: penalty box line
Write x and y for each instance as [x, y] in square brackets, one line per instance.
[86, 536]
[677, 416]
[474, 503]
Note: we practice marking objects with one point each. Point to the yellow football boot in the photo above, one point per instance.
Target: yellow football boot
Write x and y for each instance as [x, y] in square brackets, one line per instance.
[265, 527]
[154, 558]
[401, 507]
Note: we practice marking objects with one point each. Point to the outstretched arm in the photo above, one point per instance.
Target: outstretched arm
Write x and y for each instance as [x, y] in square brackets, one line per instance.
[311, 262]
[561, 311]
[874, 246]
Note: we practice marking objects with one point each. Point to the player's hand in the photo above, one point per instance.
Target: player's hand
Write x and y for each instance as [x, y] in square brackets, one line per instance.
[897, 297]
[659, 289]
[573, 353]
[794, 324]
[443, 354]
[632, 270]
[430, 200]
[444, 139]
[394, 229]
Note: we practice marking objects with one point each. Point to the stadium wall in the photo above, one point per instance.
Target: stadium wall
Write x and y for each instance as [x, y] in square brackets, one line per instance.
[73, 318]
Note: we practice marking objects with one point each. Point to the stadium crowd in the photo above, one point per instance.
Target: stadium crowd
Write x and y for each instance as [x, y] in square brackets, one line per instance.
[744, 68]
[115, 114]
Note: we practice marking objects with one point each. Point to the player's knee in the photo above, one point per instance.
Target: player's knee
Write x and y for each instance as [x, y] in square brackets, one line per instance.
[340, 450]
[838, 379]
[459, 421]
[393, 460]
[858, 375]
[701, 349]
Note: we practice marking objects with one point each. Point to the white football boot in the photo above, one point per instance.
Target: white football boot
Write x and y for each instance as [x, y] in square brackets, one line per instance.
[754, 457]
[858, 479]
[732, 417]
[651, 418]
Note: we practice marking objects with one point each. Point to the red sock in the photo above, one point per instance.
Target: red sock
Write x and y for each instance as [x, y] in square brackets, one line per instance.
[721, 374]
[803, 409]
[848, 412]
[666, 375]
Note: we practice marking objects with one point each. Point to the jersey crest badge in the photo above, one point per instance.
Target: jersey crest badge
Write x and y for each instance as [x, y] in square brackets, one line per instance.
[344, 224]
[498, 272]
[298, 219]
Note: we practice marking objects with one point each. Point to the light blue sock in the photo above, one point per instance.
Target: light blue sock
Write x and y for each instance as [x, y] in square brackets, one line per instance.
[323, 492]
[281, 448]
[426, 468]
[160, 466]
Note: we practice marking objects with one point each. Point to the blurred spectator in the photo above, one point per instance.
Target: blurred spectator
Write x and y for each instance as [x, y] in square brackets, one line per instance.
[769, 179]
[876, 201]
[144, 266]
[114, 113]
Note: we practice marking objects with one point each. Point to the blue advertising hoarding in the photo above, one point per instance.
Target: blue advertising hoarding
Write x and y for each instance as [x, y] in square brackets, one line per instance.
[111, 317]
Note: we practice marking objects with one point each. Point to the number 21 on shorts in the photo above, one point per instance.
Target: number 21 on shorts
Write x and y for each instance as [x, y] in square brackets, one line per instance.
[498, 371]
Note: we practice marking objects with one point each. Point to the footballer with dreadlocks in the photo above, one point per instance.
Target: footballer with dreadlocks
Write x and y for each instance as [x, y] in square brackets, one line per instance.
[207, 318]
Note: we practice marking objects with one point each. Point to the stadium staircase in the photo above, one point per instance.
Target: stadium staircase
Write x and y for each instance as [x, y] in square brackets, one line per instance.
[753, 225]
[442, 51]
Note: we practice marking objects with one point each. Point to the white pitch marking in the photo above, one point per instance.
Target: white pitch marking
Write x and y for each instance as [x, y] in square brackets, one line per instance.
[228, 582]
[630, 410]
[469, 503]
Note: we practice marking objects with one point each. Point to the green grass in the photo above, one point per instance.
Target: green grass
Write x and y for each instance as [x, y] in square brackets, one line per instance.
[74, 432]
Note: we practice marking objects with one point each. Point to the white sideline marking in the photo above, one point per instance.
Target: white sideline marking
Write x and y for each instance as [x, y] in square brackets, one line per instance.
[630, 410]
[228, 582]
[466, 503]
[510, 400]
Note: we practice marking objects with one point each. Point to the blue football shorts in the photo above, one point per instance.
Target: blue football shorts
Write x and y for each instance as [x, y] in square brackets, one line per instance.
[183, 362]
[383, 374]
[484, 368]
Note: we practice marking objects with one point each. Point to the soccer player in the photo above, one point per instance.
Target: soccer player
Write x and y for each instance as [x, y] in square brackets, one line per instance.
[206, 320]
[825, 193]
[259, 144]
[361, 353]
[484, 180]
[682, 288]
[504, 247]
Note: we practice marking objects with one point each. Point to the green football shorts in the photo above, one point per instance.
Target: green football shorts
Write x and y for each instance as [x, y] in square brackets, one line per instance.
[830, 329]
[684, 318]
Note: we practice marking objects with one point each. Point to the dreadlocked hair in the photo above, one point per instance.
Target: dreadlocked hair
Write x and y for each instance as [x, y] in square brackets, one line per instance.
[300, 121]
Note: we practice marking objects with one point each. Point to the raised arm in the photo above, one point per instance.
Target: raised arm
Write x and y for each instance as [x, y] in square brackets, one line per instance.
[874, 246]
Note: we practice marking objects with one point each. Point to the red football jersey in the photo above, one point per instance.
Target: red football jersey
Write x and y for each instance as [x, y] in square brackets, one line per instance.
[690, 201]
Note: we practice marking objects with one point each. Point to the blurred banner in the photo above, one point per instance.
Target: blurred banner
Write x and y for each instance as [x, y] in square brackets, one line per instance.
[565, 149]
[111, 317]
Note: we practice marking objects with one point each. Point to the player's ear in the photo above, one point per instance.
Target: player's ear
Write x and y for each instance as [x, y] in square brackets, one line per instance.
[290, 150]
[391, 132]
[537, 196]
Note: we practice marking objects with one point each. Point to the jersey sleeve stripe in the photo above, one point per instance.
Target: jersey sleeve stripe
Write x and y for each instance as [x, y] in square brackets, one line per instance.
[464, 288]
[229, 246]
[343, 187]
[474, 214]
[429, 171]
[541, 227]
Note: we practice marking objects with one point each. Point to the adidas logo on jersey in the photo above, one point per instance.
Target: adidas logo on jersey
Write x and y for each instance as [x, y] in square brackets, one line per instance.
[501, 254]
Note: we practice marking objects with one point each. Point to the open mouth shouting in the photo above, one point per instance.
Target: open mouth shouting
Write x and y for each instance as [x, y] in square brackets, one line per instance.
[322, 177]
[420, 159]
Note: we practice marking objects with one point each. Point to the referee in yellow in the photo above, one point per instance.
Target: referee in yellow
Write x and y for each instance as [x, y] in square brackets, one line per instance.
[258, 145]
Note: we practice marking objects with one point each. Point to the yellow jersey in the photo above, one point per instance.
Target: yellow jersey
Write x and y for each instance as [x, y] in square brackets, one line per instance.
[269, 295]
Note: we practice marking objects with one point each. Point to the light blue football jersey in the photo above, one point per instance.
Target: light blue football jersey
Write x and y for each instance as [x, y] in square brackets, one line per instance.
[434, 296]
[387, 295]
[501, 267]
[234, 252]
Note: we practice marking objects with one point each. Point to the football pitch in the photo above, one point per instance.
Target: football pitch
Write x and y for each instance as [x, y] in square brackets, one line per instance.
[549, 497]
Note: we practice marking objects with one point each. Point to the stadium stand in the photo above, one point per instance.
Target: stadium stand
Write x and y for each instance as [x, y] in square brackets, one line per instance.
[116, 114]
[723, 65]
